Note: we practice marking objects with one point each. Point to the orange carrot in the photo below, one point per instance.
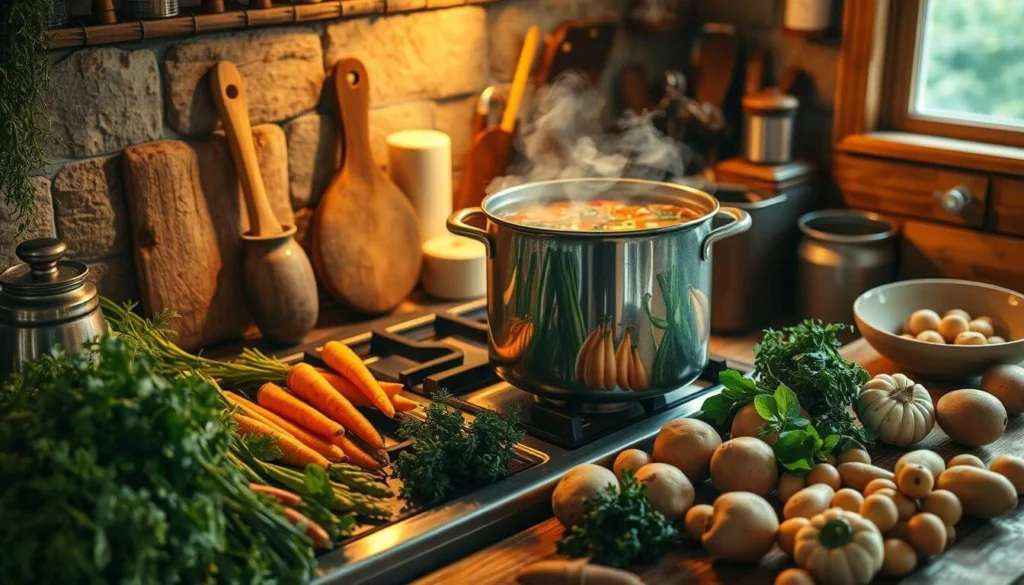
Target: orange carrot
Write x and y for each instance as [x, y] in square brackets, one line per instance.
[311, 386]
[292, 451]
[276, 399]
[314, 531]
[343, 360]
[356, 454]
[357, 398]
[321, 446]
[283, 496]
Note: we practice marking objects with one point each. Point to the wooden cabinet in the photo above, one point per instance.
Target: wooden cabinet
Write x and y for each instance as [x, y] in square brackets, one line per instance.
[1007, 214]
[936, 251]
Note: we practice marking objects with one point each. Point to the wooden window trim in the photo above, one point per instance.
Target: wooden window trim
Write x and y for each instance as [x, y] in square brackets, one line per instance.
[861, 123]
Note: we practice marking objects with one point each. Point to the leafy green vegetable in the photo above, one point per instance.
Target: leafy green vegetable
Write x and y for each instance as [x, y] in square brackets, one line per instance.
[619, 528]
[448, 457]
[113, 473]
[737, 391]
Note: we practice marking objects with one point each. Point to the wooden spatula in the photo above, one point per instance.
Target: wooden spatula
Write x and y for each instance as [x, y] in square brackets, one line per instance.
[366, 243]
[492, 149]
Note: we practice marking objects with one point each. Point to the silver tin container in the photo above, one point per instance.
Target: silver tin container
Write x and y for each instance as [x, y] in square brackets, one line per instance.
[44, 302]
[843, 253]
[768, 126]
[132, 9]
[553, 295]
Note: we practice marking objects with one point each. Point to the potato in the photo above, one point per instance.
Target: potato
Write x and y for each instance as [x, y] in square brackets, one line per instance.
[930, 337]
[970, 338]
[899, 531]
[747, 423]
[1012, 468]
[930, 459]
[914, 480]
[879, 484]
[688, 444]
[945, 505]
[950, 535]
[787, 533]
[887, 492]
[924, 320]
[578, 485]
[995, 339]
[668, 490]
[952, 325]
[982, 493]
[881, 511]
[857, 475]
[698, 518]
[1006, 383]
[569, 572]
[794, 576]
[966, 459]
[982, 327]
[630, 460]
[854, 456]
[744, 464]
[971, 417]
[808, 502]
[847, 499]
[960, 312]
[826, 474]
[789, 484]
[905, 507]
[743, 527]
[927, 533]
[900, 558]
[984, 318]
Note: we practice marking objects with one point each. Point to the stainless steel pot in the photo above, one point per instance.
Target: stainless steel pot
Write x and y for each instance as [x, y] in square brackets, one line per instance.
[45, 302]
[553, 296]
[768, 126]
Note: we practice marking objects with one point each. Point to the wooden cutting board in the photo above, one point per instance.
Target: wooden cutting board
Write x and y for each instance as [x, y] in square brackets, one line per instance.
[366, 243]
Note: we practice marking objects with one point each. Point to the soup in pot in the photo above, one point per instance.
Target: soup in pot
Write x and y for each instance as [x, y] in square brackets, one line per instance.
[599, 215]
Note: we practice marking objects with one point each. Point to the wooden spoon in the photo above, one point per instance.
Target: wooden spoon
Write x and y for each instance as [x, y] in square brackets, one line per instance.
[279, 282]
[366, 243]
[492, 149]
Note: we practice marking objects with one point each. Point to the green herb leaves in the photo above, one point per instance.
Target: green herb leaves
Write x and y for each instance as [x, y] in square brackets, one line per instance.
[447, 457]
[619, 527]
[737, 391]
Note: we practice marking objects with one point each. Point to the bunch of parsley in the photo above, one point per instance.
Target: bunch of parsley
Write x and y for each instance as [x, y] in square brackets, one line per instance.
[619, 527]
[112, 473]
[447, 456]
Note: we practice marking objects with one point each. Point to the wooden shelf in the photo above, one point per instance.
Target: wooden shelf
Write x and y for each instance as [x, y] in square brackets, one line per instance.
[194, 23]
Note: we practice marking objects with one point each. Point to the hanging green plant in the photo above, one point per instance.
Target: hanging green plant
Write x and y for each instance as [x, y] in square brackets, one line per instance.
[24, 85]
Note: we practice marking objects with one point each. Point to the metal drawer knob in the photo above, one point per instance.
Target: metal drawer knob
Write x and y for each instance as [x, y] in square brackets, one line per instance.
[955, 200]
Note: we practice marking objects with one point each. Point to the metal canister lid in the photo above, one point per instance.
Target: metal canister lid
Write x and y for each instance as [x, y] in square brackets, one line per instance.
[770, 101]
[46, 288]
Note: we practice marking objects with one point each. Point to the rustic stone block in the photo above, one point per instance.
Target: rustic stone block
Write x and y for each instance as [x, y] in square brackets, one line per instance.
[41, 225]
[314, 153]
[115, 278]
[455, 118]
[283, 72]
[90, 212]
[104, 100]
[432, 54]
[384, 121]
[186, 219]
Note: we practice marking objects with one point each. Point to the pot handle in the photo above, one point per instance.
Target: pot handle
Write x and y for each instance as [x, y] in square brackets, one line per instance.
[739, 224]
[457, 225]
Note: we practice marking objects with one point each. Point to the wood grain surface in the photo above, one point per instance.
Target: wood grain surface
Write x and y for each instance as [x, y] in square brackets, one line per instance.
[935, 251]
[984, 552]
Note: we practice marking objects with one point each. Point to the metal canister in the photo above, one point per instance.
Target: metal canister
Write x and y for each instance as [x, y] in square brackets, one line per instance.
[768, 126]
[843, 253]
[44, 302]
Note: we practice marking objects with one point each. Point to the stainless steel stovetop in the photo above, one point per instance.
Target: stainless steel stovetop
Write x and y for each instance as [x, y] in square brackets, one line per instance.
[448, 351]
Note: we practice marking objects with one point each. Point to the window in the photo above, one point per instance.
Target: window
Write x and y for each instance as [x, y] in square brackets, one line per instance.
[957, 69]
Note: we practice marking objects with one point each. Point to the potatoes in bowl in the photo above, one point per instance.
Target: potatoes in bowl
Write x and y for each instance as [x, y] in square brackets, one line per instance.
[883, 312]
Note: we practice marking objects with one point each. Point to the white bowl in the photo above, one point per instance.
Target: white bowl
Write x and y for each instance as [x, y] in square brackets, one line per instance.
[881, 311]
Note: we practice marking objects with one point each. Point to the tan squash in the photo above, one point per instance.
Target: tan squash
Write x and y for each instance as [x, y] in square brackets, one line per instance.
[838, 533]
[899, 411]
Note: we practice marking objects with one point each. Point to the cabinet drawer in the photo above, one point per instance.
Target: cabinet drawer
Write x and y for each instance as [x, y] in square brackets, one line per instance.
[1007, 215]
[910, 189]
[931, 251]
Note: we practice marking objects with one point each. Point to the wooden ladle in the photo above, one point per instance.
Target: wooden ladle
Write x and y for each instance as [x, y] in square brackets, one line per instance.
[279, 282]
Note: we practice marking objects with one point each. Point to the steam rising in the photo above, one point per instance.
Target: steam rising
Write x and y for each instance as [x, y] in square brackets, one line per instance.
[565, 139]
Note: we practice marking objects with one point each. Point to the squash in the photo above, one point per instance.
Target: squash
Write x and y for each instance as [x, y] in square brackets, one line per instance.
[838, 533]
[899, 411]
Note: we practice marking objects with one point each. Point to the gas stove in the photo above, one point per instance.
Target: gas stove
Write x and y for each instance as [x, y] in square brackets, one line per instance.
[447, 351]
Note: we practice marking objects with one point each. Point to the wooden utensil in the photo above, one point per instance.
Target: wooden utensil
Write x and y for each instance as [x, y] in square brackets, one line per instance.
[492, 149]
[578, 45]
[366, 243]
[279, 282]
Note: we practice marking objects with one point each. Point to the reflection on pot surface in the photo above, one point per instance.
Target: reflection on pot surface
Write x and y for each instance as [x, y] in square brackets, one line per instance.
[599, 316]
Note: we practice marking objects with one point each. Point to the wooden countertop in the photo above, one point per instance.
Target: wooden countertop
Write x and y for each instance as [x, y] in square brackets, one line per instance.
[984, 552]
